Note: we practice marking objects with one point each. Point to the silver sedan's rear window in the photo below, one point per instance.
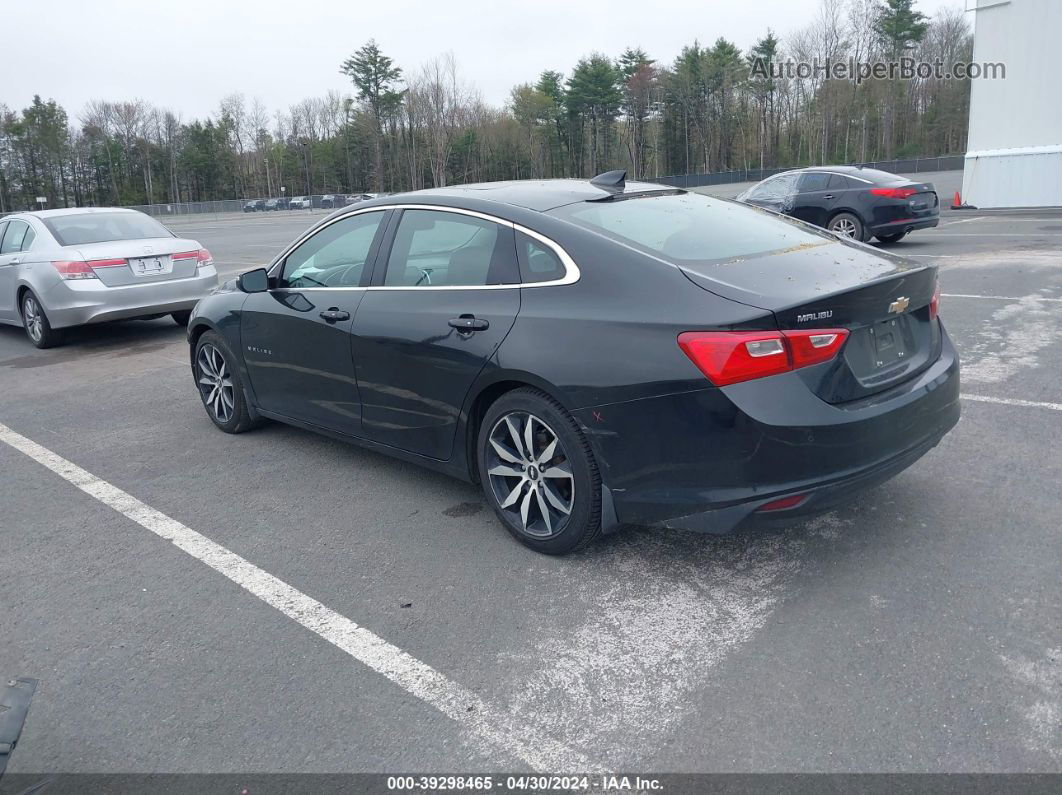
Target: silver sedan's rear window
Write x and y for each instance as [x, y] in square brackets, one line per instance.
[79, 229]
[689, 227]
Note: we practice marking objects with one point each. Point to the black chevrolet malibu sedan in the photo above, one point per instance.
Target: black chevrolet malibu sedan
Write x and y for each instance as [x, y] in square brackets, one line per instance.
[593, 354]
[854, 202]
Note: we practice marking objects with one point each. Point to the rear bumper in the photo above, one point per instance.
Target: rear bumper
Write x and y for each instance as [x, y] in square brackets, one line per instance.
[707, 460]
[77, 303]
[909, 225]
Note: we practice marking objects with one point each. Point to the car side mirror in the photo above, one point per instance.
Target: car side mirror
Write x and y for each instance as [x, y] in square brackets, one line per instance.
[256, 281]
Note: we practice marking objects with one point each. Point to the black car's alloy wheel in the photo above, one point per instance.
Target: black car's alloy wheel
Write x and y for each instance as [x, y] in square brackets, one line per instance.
[846, 225]
[219, 385]
[530, 474]
[538, 473]
[215, 383]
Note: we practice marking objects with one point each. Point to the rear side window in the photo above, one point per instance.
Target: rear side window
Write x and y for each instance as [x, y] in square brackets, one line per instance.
[690, 227]
[14, 237]
[434, 248]
[813, 181]
[538, 262]
[83, 228]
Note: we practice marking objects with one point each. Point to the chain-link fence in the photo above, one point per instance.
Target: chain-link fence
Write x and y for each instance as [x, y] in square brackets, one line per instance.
[331, 201]
[903, 166]
[173, 210]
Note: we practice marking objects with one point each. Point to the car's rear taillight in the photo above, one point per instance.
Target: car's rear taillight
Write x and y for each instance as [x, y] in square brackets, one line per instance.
[73, 269]
[729, 357]
[894, 193]
[200, 255]
[934, 303]
[76, 269]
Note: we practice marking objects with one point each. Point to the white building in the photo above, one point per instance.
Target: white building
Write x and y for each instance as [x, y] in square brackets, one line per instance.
[1014, 153]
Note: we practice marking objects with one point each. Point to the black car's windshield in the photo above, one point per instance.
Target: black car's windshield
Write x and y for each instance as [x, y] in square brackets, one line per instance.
[83, 228]
[689, 227]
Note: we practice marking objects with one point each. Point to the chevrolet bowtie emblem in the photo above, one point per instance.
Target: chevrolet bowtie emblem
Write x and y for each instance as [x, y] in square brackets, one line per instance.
[899, 305]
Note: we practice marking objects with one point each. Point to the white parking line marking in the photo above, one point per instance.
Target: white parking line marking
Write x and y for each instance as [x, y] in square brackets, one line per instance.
[486, 726]
[1000, 297]
[1031, 404]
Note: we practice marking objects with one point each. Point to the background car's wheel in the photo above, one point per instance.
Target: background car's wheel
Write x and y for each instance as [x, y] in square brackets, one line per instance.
[538, 472]
[846, 225]
[181, 318]
[35, 321]
[894, 238]
[217, 377]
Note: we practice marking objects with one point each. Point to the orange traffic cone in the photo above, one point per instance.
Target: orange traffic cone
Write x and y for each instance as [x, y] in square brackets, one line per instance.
[956, 203]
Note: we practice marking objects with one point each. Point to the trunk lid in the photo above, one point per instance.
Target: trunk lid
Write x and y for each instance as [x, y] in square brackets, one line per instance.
[146, 261]
[882, 300]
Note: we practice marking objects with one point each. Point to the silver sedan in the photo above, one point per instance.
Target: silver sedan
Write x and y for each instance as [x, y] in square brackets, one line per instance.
[62, 268]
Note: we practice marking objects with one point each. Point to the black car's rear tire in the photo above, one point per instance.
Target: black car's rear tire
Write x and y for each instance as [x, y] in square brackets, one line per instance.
[35, 322]
[217, 377]
[181, 318]
[893, 238]
[549, 495]
[846, 225]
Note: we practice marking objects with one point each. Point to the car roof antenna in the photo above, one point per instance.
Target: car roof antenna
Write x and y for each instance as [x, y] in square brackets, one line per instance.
[612, 181]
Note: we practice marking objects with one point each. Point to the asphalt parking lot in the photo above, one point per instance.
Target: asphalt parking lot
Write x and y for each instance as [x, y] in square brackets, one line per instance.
[919, 629]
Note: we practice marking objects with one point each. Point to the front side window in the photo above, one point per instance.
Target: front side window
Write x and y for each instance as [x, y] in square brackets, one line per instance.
[690, 227]
[775, 189]
[80, 229]
[335, 256]
[433, 248]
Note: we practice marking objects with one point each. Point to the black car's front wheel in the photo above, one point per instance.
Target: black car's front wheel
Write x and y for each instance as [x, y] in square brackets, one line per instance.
[218, 380]
[538, 473]
[846, 225]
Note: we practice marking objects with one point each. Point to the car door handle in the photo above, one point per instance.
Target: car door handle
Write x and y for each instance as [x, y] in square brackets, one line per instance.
[335, 314]
[469, 323]
[828, 196]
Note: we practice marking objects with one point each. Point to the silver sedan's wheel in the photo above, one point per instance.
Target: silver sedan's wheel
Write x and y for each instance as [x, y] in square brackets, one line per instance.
[215, 383]
[35, 321]
[530, 474]
[33, 317]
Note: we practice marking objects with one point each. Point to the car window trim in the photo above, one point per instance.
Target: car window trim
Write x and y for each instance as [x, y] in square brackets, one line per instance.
[571, 276]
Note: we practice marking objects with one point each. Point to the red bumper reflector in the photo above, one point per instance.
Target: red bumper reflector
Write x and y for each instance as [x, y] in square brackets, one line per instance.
[782, 503]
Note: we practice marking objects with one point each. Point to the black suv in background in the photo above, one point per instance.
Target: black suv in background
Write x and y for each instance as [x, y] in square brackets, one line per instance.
[254, 205]
[854, 202]
[332, 200]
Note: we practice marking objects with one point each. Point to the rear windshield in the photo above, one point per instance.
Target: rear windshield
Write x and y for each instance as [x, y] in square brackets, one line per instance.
[875, 176]
[82, 228]
[689, 227]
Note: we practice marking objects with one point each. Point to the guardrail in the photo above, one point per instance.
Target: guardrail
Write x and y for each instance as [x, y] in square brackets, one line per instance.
[901, 166]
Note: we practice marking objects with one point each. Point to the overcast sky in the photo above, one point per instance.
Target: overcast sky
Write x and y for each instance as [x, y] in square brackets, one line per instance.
[187, 54]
